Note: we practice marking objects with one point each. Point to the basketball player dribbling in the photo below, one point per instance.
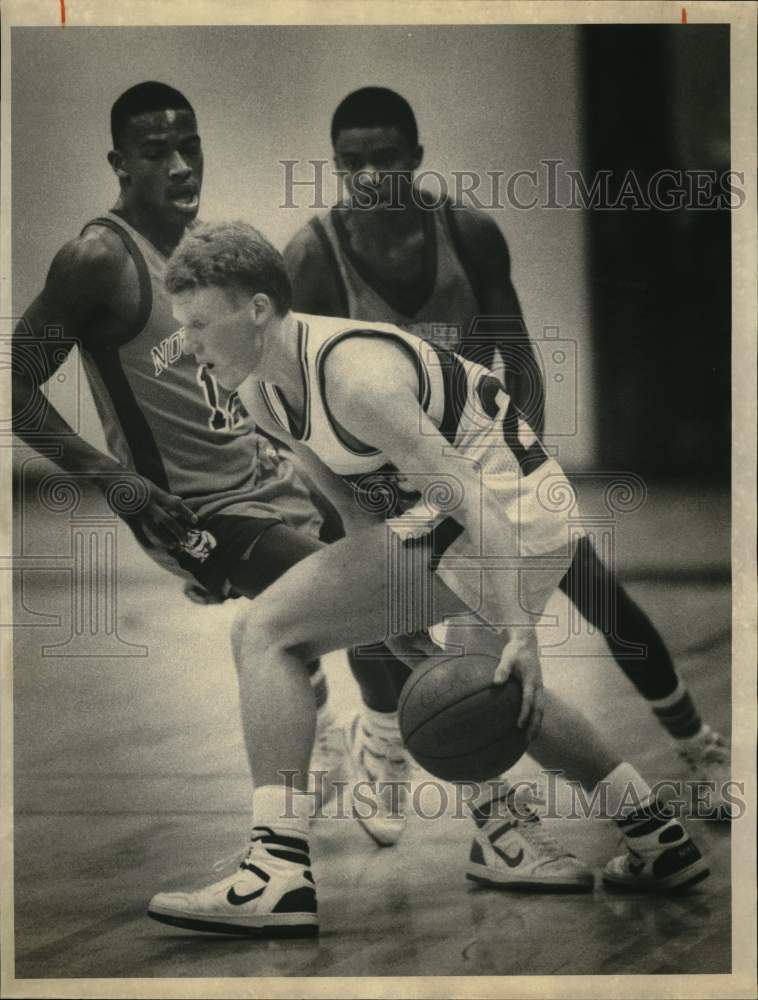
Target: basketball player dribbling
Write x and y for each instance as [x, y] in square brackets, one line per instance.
[166, 419]
[390, 252]
[380, 448]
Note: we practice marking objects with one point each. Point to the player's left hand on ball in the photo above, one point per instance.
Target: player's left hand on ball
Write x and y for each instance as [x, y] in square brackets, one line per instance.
[521, 658]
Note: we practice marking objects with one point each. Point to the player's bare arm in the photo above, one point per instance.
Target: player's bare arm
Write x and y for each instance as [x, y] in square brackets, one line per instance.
[371, 388]
[372, 391]
[489, 255]
[87, 294]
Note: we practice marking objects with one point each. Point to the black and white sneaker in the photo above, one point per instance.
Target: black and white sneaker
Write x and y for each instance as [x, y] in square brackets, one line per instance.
[660, 855]
[272, 894]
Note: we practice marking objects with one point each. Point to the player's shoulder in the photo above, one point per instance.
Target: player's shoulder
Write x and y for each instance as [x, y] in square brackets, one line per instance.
[94, 260]
[473, 223]
[305, 245]
[478, 241]
[368, 361]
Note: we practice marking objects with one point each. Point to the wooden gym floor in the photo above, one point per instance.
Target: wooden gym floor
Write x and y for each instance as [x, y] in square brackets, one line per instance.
[130, 778]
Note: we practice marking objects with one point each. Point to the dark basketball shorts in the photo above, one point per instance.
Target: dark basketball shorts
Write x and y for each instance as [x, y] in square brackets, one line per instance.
[222, 546]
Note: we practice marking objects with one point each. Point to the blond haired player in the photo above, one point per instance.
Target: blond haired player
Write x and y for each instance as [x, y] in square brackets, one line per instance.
[356, 402]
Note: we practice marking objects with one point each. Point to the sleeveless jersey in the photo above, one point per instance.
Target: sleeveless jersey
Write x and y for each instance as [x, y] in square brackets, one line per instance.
[164, 416]
[460, 397]
[513, 515]
[446, 315]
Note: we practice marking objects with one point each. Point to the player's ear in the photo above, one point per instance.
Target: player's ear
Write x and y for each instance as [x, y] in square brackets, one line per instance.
[261, 309]
[116, 160]
[418, 156]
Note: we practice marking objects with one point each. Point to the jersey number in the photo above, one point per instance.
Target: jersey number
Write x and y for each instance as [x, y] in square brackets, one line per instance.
[220, 419]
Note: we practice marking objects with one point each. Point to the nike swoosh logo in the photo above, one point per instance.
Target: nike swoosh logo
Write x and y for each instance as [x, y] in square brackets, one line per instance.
[512, 862]
[236, 900]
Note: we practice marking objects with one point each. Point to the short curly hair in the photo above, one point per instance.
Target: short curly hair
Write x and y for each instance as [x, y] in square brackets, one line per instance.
[229, 254]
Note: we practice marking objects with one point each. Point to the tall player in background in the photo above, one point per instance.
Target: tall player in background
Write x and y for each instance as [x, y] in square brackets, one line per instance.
[172, 431]
[388, 253]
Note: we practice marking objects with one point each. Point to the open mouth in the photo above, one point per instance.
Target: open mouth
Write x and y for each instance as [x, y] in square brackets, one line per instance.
[186, 201]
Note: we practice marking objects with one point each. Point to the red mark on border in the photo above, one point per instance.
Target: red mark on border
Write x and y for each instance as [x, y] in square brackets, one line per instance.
[684, 14]
[63, 12]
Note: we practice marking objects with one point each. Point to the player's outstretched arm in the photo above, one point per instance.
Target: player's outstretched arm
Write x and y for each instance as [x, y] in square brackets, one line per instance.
[77, 301]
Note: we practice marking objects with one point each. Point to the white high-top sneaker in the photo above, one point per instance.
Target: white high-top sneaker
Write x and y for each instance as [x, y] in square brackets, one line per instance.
[272, 894]
[379, 780]
[660, 856]
[513, 850]
[328, 760]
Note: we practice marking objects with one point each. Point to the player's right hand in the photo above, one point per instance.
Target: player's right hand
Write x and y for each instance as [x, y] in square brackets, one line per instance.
[163, 517]
[521, 658]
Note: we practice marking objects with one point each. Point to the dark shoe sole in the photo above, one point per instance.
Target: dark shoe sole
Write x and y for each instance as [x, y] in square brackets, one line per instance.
[524, 887]
[657, 886]
[209, 926]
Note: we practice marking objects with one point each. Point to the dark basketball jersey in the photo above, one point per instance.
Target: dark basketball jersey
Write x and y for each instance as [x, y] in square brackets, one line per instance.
[166, 417]
[446, 315]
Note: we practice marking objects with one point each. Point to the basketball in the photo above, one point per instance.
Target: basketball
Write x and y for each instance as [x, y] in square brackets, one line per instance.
[457, 724]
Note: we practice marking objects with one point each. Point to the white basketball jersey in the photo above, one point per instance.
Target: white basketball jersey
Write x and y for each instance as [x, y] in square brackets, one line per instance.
[465, 401]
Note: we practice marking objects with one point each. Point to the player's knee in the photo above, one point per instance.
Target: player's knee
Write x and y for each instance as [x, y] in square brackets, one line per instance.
[258, 636]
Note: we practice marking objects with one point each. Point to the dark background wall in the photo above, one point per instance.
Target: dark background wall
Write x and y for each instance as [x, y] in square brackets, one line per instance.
[657, 97]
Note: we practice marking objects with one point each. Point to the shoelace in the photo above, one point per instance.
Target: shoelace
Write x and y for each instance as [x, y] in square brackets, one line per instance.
[238, 857]
[387, 768]
[235, 859]
[328, 740]
[533, 831]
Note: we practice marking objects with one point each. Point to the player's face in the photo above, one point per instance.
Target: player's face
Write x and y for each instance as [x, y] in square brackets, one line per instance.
[161, 164]
[378, 164]
[217, 330]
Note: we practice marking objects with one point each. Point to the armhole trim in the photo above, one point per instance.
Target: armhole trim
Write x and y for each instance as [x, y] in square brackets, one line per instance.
[332, 264]
[143, 277]
[459, 246]
[425, 391]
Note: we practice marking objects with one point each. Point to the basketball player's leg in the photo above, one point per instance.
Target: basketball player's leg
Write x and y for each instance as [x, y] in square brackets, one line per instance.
[605, 604]
[376, 754]
[569, 742]
[337, 598]
[334, 598]
[236, 567]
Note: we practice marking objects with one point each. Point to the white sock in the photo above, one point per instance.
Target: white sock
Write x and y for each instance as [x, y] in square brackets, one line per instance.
[627, 790]
[282, 809]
